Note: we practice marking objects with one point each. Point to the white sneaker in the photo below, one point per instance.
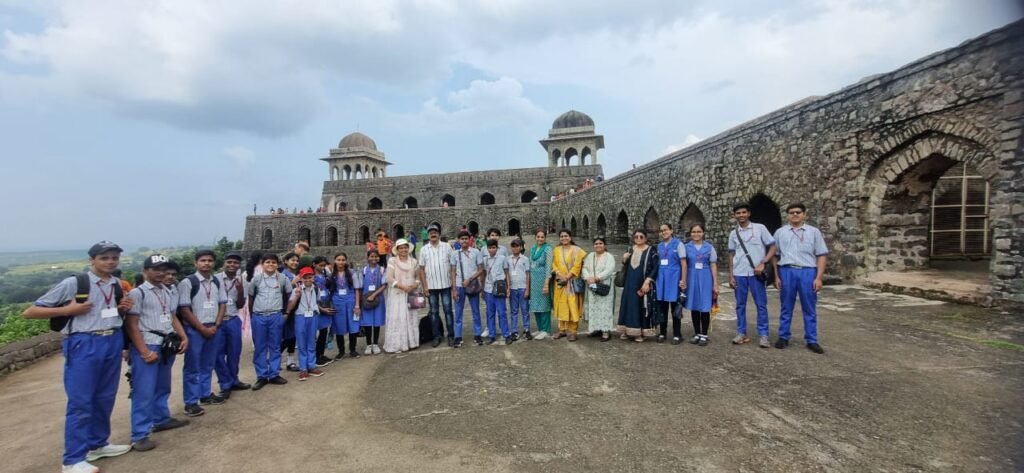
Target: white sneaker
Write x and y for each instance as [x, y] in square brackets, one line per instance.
[376, 349]
[80, 467]
[369, 350]
[109, 450]
[486, 333]
[540, 335]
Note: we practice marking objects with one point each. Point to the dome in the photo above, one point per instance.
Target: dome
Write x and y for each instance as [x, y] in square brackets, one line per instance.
[572, 119]
[357, 140]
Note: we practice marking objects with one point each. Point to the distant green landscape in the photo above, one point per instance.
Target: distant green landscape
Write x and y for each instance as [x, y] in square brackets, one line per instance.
[10, 259]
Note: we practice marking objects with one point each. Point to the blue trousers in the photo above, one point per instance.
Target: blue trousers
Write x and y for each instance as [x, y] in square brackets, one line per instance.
[266, 341]
[799, 281]
[151, 388]
[344, 321]
[745, 284]
[444, 297]
[228, 352]
[200, 358]
[517, 303]
[474, 306]
[305, 340]
[92, 371]
[496, 307]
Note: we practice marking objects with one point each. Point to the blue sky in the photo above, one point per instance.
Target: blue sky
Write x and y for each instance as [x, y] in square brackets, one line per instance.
[163, 122]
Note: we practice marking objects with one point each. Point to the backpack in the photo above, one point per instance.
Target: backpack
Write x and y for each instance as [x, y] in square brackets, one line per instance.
[195, 285]
[83, 286]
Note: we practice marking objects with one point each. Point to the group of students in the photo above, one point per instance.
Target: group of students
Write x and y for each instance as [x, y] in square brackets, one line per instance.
[295, 308]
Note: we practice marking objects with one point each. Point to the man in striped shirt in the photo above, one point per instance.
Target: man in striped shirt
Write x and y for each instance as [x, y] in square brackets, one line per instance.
[436, 280]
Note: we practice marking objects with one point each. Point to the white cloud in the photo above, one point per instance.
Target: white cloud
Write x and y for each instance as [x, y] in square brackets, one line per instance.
[690, 140]
[239, 155]
[484, 104]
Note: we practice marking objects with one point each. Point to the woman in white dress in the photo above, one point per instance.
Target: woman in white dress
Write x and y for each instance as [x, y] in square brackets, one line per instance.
[599, 267]
[403, 332]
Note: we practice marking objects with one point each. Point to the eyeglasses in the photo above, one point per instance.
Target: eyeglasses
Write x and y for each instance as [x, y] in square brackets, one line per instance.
[639, 237]
[795, 212]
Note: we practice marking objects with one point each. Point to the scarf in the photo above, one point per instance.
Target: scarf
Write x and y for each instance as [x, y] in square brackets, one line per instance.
[537, 252]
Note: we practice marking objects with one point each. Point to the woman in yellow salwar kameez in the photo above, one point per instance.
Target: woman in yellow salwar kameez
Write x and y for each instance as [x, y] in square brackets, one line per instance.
[567, 264]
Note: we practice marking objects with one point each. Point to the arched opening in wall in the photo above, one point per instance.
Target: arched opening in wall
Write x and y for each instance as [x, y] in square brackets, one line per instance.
[651, 223]
[586, 153]
[556, 157]
[586, 227]
[268, 239]
[569, 154]
[513, 227]
[410, 203]
[487, 198]
[334, 173]
[331, 236]
[690, 216]
[529, 196]
[398, 231]
[960, 215]
[305, 235]
[374, 204]
[448, 201]
[622, 227]
[473, 227]
[765, 211]
[364, 234]
[602, 226]
[359, 171]
[572, 226]
[341, 206]
[562, 226]
[374, 172]
[346, 172]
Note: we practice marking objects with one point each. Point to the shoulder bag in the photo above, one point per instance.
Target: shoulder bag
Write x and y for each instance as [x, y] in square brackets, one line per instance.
[474, 284]
[620, 277]
[768, 275]
[365, 302]
[600, 289]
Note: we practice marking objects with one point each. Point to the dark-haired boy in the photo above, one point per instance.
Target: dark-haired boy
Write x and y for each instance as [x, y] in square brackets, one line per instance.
[519, 285]
[749, 243]
[289, 269]
[201, 302]
[228, 352]
[267, 291]
[92, 352]
[325, 318]
[149, 322]
[802, 256]
[466, 266]
[496, 269]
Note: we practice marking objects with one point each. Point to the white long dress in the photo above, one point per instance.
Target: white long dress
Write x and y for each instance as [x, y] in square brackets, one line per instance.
[403, 331]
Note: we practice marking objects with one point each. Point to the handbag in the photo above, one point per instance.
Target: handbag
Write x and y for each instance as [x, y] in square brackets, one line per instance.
[474, 284]
[578, 285]
[416, 300]
[364, 301]
[620, 277]
[768, 275]
[599, 288]
[500, 288]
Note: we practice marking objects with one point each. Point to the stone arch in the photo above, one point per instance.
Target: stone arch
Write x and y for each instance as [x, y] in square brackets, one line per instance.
[690, 216]
[268, 239]
[586, 227]
[473, 227]
[374, 172]
[334, 173]
[374, 204]
[562, 226]
[528, 197]
[305, 235]
[572, 226]
[346, 172]
[765, 211]
[602, 225]
[410, 203]
[622, 227]
[341, 206]
[331, 236]
[586, 153]
[398, 230]
[569, 154]
[651, 223]
[897, 198]
[358, 171]
[364, 234]
[448, 199]
[556, 156]
[486, 198]
[513, 227]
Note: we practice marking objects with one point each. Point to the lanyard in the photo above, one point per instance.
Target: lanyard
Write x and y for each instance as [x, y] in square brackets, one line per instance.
[664, 246]
[265, 278]
[491, 266]
[162, 299]
[798, 235]
[340, 280]
[307, 297]
[375, 272]
[752, 233]
[515, 262]
[206, 288]
[234, 282]
[106, 297]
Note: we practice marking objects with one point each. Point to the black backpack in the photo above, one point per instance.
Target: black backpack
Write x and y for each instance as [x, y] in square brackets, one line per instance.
[83, 286]
[195, 285]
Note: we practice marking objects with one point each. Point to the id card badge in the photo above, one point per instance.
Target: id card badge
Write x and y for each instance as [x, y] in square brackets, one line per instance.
[664, 262]
[698, 265]
[165, 318]
[371, 288]
[308, 314]
[109, 312]
[355, 316]
[209, 305]
[514, 273]
[342, 292]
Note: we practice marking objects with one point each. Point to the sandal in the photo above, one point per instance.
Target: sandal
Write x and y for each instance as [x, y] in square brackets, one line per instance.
[623, 337]
[558, 335]
[639, 339]
[572, 337]
[605, 337]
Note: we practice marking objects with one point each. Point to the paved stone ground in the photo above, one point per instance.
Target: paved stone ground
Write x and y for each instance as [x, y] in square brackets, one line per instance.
[906, 385]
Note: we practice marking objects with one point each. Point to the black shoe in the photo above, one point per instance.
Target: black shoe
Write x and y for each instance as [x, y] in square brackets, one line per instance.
[193, 410]
[341, 355]
[515, 336]
[491, 340]
[143, 445]
[225, 395]
[212, 400]
[278, 380]
[259, 384]
[451, 343]
[354, 354]
[323, 361]
[240, 386]
[527, 335]
[676, 340]
[509, 340]
[437, 342]
[458, 343]
[170, 425]
[478, 340]
[816, 348]
[661, 339]
[703, 342]
[781, 343]
[292, 367]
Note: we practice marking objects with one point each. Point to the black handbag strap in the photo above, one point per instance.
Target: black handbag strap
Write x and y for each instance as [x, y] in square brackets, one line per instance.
[744, 246]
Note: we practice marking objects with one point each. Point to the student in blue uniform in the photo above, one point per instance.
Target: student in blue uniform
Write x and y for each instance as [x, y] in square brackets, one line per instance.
[267, 290]
[290, 267]
[802, 256]
[304, 303]
[326, 317]
[749, 243]
[345, 286]
[371, 320]
[92, 356]
[496, 269]
[519, 284]
[702, 282]
[671, 278]
[229, 333]
[149, 321]
[467, 266]
[201, 302]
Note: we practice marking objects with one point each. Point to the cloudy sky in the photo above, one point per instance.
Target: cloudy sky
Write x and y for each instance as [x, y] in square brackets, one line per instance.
[162, 122]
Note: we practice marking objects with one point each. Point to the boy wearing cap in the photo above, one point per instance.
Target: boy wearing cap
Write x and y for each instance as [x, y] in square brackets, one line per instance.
[266, 290]
[467, 265]
[228, 349]
[496, 269]
[304, 303]
[92, 352]
[202, 302]
[149, 321]
[435, 277]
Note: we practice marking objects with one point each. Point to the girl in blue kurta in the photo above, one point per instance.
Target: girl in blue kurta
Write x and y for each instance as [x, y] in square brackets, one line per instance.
[701, 282]
[345, 286]
[373, 286]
